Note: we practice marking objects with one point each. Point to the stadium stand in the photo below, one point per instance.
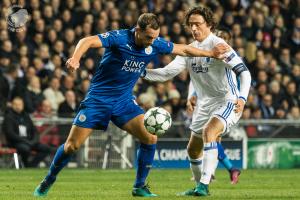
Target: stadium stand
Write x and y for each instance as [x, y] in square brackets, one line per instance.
[266, 34]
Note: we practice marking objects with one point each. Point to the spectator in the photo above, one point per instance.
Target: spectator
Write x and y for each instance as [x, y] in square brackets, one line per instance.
[291, 95]
[174, 101]
[250, 129]
[82, 89]
[49, 134]
[146, 101]
[68, 84]
[22, 135]
[266, 107]
[69, 107]
[161, 94]
[53, 94]
[294, 113]
[34, 95]
[277, 93]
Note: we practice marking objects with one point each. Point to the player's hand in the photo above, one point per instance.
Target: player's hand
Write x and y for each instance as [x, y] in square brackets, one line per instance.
[219, 50]
[190, 104]
[72, 64]
[239, 106]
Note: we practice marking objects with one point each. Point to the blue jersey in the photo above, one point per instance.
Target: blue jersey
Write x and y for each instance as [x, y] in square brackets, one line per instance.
[110, 94]
[123, 62]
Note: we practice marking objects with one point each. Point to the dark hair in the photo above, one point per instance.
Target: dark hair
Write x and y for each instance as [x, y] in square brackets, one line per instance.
[206, 13]
[148, 20]
[220, 31]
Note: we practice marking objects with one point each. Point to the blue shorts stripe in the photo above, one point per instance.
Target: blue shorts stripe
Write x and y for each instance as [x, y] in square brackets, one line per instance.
[228, 105]
[230, 110]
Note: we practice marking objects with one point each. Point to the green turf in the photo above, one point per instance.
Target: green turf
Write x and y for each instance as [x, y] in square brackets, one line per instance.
[117, 184]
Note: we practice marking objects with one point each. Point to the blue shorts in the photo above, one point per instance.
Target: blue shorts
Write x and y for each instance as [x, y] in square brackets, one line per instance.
[96, 113]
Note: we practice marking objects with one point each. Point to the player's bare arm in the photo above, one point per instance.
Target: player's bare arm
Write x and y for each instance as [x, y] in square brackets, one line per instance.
[186, 50]
[82, 46]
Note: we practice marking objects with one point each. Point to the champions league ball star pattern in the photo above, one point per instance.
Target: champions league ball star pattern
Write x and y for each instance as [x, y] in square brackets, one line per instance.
[157, 121]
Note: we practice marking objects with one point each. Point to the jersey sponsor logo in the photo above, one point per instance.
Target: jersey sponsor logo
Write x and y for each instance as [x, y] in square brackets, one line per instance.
[199, 68]
[148, 50]
[133, 66]
[82, 117]
[104, 35]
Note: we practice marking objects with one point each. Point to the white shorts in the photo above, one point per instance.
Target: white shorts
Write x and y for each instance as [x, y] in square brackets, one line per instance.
[224, 111]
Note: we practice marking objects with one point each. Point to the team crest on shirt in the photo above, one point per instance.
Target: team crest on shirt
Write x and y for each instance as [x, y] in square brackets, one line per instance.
[200, 66]
[104, 35]
[82, 118]
[148, 50]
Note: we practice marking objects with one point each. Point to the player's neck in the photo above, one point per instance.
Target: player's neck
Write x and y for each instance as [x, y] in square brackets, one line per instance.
[204, 36]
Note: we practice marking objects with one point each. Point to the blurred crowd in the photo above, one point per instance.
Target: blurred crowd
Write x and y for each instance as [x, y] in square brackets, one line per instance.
[265, 33]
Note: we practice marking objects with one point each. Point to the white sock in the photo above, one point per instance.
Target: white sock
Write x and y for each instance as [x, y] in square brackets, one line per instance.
[210, 161]
[196, 168]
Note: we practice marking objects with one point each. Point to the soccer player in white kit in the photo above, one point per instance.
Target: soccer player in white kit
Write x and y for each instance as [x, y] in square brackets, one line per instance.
[219, 102]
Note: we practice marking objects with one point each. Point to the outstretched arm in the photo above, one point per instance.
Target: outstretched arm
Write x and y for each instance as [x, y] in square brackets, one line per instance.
[82, 46]
[166, 73]
[187, 50]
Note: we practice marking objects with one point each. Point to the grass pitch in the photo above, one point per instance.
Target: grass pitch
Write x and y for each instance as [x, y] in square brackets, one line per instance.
[117, 184]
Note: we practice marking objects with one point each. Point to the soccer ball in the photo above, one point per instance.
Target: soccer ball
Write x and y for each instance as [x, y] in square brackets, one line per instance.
[157, 121]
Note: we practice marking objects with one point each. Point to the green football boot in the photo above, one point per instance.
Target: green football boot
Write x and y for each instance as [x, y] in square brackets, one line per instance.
[142, 192]
[201, 190]
[190, 192]
[42, 189]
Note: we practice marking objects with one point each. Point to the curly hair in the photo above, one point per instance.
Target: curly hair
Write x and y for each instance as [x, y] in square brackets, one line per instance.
[206, 13]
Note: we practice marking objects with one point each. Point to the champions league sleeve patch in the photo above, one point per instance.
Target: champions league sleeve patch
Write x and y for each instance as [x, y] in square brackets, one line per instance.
[230, 57]
[104, 35]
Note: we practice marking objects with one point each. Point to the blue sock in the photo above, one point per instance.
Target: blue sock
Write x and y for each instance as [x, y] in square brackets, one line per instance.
[60, 160]
[223, 158]
[144, 163]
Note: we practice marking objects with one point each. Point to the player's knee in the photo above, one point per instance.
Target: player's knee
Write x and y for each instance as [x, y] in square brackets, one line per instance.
[209, 134]
[71, 147]
[150, 139]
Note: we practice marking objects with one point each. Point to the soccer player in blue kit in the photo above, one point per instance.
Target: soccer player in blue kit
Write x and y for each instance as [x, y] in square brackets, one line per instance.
[127, 53]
